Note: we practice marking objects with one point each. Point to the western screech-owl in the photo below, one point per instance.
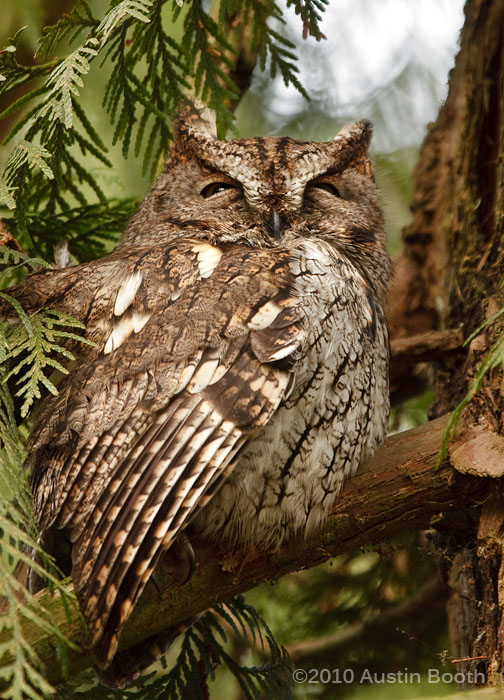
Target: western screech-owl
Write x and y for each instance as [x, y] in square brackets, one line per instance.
[240, 367]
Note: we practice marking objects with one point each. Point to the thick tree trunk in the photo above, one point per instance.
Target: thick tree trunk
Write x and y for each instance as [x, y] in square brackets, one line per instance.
[451, 273]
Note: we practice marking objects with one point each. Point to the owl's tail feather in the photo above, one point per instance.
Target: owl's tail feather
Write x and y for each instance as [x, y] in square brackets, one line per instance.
[155, 507]
[128, 664]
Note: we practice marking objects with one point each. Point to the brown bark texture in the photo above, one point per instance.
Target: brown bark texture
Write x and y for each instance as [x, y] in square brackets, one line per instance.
[449, 277]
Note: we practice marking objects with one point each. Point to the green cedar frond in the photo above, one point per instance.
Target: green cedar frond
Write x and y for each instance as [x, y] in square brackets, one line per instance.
[90, 230]
[24, 120]
[61, 89]
[36, 342]
[207, 55]
[98, 144]
[13, 262]
[13, 74]
[279, 50]
[202, 651]
[33, 155]
[70, 25]
[6, 198]
[20, 667]
[272, 679]
[310, 13]
[157, 93]
[493, 359]
[138, 9]
[64, 80]
[275, 52]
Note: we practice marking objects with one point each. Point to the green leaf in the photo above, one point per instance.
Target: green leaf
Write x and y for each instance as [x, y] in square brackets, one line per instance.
[71, 24]
[36, 341]
[6, 197]
[493, 359]
[20, 667]
[121, 12]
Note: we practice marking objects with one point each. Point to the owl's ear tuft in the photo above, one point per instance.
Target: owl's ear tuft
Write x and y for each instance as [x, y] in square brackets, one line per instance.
[351, 145]
[195, 121]
[358, 135]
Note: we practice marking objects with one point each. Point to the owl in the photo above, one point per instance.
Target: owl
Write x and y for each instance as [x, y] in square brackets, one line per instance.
[238, 372]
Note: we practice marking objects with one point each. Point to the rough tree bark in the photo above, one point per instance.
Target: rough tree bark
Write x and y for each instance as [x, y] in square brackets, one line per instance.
[450, 273]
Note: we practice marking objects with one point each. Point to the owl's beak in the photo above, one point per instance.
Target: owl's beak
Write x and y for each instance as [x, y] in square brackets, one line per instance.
[275, 224]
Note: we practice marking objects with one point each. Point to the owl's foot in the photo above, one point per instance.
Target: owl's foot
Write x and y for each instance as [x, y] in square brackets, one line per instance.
[156, 582]
[185, 554]
[178, 564]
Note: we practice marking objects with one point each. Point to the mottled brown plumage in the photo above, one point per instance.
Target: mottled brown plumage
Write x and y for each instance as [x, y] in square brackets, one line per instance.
[240, 368]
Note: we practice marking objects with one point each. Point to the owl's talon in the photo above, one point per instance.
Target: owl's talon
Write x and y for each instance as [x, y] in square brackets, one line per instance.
[184, 552]
[157, 582]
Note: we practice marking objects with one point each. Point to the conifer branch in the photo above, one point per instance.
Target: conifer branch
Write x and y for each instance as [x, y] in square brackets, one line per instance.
[432, 594]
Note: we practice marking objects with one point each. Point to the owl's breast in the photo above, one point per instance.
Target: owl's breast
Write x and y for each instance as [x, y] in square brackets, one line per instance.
[288, 475]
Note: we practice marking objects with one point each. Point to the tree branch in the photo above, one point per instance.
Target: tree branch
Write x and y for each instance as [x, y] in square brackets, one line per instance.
[398, 489]
[432, 593]
[425, 347]
[409, 376]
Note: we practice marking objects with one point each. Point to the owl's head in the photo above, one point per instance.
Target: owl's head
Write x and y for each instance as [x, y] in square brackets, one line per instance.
[266, 191]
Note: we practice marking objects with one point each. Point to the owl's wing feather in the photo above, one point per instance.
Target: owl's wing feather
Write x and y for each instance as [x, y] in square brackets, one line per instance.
[190, 449]
[159, 416]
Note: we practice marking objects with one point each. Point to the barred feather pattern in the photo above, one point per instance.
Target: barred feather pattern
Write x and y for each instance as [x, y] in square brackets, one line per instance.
[240, 367]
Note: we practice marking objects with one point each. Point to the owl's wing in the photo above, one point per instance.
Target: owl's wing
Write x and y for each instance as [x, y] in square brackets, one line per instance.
[198, 358]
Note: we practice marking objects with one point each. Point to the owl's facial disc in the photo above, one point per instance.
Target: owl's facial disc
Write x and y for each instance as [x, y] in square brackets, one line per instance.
[265, 190]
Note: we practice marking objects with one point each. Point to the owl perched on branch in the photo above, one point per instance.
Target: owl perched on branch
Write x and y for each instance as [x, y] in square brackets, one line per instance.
[240, 367]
